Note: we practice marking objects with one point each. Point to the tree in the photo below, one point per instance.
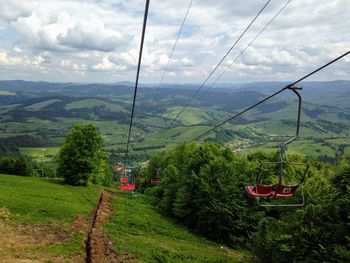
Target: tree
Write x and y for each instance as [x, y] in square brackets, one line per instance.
[81, 156]
[201, 186]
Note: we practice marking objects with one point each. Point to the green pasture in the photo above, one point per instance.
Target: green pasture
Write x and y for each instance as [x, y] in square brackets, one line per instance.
[90, 103]
[40, 105]
[7, 93]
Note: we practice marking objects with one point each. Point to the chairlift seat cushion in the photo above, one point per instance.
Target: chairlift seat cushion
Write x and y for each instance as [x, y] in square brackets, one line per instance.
[286, 190]
[128, 187]
[124, 187]
[260, 190]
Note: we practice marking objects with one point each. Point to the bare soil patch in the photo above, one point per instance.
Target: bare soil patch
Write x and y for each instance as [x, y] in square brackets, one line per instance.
[23, 242]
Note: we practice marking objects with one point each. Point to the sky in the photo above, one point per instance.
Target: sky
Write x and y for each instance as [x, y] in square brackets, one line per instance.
[98, 40]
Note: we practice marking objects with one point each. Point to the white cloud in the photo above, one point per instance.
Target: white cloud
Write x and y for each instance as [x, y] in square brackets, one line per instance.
[91, 35]
[38, 60]
[98, 37]
[7, 60]
[17, 49]
[270, 57]
[10, 10]
[105, 64]
[187, 62]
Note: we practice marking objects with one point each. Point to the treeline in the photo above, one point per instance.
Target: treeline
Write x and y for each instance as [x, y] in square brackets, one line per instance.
[82, 113]
[201, 186]
[9, 146]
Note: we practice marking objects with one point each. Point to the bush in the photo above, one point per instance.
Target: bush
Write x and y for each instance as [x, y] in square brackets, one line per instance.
[7, 165]
[20, 166]
[23, 167]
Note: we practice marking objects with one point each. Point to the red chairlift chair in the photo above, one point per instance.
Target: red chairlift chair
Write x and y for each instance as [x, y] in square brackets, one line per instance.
[280, 190]
[127, 182]
[155, 181]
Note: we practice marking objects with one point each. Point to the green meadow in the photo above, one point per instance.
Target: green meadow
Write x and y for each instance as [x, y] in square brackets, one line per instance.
[139, 230]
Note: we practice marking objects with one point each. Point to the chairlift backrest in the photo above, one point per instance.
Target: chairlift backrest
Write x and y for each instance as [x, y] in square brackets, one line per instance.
[124, 179]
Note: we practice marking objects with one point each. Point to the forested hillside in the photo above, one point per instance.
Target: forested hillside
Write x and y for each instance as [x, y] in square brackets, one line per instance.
[201, 185]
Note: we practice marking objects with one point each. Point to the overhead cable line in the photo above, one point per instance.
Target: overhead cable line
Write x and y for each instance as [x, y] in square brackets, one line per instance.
[137, 77]
[289, 86]
[172, 51]
[217, 66]
[243, 50]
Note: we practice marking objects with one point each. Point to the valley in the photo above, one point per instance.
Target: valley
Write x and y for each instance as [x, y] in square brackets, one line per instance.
[47, 111]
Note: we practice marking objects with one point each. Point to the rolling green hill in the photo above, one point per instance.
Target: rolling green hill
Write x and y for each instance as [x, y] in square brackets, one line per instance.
[51, 113]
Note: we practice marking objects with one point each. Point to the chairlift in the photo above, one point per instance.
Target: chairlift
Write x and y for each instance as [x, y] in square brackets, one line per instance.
[127, 181]
[280, 190]
[156, 180]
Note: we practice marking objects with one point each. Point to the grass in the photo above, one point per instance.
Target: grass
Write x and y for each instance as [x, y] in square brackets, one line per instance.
[43, 210]
[90, 103]
[40, 105]
[35, 200]
[347, 151]
[137, 229]
[7, 93]
[39, 152]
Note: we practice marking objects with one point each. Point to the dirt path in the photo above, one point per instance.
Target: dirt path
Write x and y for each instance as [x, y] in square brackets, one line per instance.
[99, 247]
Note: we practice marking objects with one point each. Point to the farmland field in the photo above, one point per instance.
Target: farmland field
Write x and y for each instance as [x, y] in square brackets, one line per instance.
[51, 115]
[40, 154]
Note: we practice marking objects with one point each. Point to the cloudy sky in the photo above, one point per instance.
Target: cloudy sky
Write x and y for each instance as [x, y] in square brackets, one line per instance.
[98, 40]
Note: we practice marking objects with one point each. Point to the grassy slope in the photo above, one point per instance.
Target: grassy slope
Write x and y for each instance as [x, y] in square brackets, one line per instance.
[137, 229]
[37, 200]
[42, 203]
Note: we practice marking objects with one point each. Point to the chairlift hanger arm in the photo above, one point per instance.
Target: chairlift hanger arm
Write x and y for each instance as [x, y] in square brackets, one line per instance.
[295, 89]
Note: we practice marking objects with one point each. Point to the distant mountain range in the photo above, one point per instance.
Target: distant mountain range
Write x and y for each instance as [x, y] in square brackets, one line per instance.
[261, 86]
[335, 93]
